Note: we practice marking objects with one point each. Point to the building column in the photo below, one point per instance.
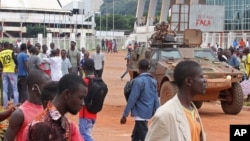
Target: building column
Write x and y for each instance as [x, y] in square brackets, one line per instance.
[39, 39]
[151, 12]
[139, 11]
[49, 39]
[164, 10]
[83, 40]
[21, 31]
[231, 38]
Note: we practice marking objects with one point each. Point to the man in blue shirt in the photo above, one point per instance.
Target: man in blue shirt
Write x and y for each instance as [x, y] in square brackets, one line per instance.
[142, 102]
[235, 43]
[232, 59]
[22, 59]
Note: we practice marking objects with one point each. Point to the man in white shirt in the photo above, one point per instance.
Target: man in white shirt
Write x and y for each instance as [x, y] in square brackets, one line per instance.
[247, 43]
[66, 65]
[82, 53]
[98, 58]
[55, 62]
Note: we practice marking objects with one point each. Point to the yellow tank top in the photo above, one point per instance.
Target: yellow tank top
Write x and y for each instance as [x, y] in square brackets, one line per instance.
[7, 60]
[194, 124]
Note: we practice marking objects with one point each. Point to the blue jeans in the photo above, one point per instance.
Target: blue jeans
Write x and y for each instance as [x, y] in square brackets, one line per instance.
[85, 127]
[9, 78]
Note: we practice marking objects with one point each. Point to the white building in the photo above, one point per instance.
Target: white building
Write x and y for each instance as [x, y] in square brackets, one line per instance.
[74, 17]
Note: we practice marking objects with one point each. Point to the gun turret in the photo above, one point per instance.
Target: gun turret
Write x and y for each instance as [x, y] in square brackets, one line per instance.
[162, 34]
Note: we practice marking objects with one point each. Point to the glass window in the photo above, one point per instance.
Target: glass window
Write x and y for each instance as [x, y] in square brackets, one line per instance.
[154, 56]
[206, 54]
[170, 54]
[235, 12]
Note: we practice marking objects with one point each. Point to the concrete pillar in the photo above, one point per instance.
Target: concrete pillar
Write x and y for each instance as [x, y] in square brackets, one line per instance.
[164, 10]
[83, 40]
[231, 37]
[151, 12]
[32, 40]
[39, 39]
[140, 10]
[213, 43]
[49, 39]
[207, 39]
[244, 36]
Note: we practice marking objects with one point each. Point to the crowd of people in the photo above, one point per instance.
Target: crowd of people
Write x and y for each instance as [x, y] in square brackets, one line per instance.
[109, 45]
[44, 84]
[48, 82]
[237, 57]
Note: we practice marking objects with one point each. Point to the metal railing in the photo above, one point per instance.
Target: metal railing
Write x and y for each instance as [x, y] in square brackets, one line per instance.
[64, 43]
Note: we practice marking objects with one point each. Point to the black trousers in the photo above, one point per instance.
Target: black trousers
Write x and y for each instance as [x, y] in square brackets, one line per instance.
[140, 130]
[22, 88]
[98, 73]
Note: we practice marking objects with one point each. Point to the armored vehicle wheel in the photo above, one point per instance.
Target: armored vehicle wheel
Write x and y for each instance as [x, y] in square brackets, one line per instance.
[198, 104]
[235, 100]
[168, 90]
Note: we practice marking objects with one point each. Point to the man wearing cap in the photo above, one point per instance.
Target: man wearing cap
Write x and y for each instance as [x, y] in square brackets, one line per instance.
[74, 57]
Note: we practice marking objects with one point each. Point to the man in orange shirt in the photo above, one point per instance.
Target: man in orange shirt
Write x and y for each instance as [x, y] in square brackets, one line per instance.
[178, 119]
[242, 44]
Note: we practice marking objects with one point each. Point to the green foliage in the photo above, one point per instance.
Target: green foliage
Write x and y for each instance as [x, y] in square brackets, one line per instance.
[124, 14]
[121, 22]
[33, 30]
[125, 7]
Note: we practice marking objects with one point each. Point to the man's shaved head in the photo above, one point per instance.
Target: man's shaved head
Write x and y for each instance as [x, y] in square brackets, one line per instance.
[36, 76]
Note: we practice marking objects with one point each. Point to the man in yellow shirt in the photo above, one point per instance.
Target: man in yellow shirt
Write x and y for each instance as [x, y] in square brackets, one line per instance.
[246, 51]
[9, 77]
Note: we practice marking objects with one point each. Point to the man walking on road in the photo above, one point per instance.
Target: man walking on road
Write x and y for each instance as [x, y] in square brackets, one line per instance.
[86, 118]
[178, 119]
[22, 59]
[98, 58]
[142, 102]
[74, 56]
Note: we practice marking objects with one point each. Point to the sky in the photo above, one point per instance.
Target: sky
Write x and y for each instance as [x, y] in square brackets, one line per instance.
[65, 2]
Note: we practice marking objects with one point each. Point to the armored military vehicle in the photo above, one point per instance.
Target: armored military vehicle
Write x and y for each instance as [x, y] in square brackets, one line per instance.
[165, 53]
